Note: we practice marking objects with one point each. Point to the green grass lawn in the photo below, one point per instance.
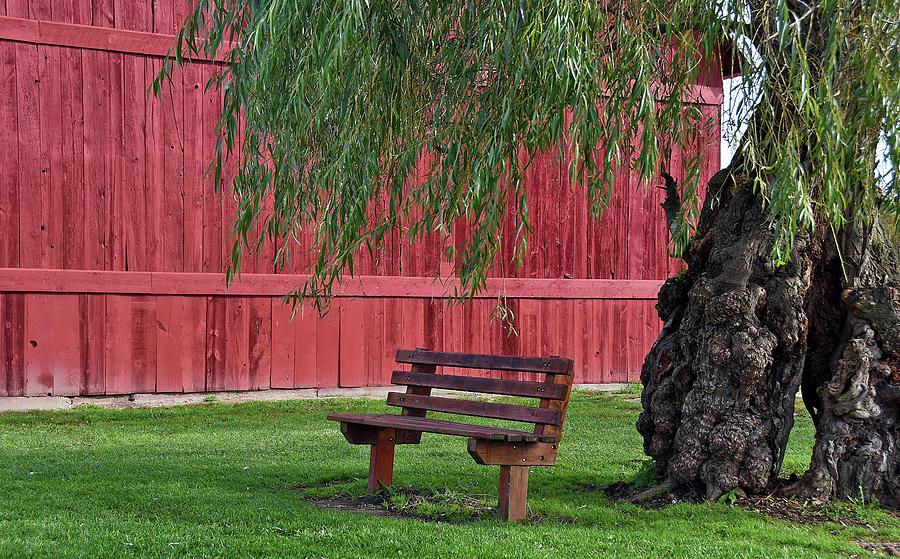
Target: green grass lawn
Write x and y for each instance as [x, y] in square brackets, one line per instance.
[235, 481]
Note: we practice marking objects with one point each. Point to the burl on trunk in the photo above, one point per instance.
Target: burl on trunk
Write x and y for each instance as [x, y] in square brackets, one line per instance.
[740, 337]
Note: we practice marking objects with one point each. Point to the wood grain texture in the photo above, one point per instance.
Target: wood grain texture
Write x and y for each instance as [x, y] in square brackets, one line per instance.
[181, 344]
[52, 346]
[527, 389]
[438, 426]
[107, 200]
[513, 493]
[12, 344]
[475, 408]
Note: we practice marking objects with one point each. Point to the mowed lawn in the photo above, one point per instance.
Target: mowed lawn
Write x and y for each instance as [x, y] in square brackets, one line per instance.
[235, 481]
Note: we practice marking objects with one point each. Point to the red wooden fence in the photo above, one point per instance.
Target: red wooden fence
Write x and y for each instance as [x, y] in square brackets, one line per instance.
[113, 242]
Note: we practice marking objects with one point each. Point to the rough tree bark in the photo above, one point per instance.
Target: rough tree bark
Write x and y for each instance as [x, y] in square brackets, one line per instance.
[741, 336]
[857, 406]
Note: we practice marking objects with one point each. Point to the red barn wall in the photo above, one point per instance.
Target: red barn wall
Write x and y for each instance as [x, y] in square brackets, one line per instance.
[113, 242]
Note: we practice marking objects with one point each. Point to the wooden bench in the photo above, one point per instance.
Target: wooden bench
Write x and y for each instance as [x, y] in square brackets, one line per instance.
[513, 450]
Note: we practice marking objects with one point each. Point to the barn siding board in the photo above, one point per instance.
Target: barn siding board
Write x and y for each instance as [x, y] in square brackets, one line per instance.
[328, 357]
[173, 218]
[259, 352]
[29, 169]
[105, 178]
[92, 325]
[353, 343]
[52, 348]
[154, 174]
[9, 157]
[95, 114]
[193, 166]
[71, 183]
[306, 348]
[134, 150]
[181, 344]
[283, 354]
[215, 343]
[12, 344]
[130, 340]
[237, 345]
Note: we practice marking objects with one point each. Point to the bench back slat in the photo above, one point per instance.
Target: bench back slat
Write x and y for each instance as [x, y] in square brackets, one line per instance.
[525, 388]
[553, 393]
[550, 365]
[475, 408]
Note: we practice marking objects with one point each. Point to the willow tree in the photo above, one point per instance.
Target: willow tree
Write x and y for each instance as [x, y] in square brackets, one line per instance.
[790, 283]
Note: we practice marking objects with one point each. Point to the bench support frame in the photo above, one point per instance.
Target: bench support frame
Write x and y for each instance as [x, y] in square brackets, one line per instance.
[381, 460]
[513, 493]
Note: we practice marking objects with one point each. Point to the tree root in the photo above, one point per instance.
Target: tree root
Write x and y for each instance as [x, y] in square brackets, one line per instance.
[654, 492]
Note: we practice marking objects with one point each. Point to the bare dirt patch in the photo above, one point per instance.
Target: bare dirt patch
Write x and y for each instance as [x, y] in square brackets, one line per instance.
[891, 549]
[436, 505]
[352, 505]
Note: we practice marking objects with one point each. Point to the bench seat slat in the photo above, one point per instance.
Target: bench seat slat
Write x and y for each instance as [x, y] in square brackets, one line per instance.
[475, 408]
[421, 424]
[550, 365]
[525, 388]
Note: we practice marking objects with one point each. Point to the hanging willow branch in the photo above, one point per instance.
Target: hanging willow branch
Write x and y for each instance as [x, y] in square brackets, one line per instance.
[343, 101]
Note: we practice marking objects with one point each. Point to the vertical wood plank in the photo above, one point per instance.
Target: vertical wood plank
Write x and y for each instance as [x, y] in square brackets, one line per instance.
[373, 342]
[259, 366]
[216, 320]
[29, 170]
[213, 259]
[12, 344]
[328, 344]
[92, 311]
[51, 185]
[237, 344]
[71, 181]
[134, 204]
[96, 111]
[9, 157]
[52, 349]
[181, 344]
[154, 175]
[306, 326]
[115, 175]
[173, 218]
[194, 166]
[133, 15]
[283, 350]
[352, 343]
[131, 348]
[103, 13]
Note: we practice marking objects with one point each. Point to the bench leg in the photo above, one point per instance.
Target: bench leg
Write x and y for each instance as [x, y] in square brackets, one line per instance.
[513, 492]
[381, 460]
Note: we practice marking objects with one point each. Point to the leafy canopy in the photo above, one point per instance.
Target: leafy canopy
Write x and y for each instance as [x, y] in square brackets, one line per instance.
[337, 103]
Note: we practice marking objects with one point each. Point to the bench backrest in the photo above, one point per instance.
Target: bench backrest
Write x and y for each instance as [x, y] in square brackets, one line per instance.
[552, 392]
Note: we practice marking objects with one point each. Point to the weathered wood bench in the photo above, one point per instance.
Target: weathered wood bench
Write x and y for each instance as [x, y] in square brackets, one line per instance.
[513, 450]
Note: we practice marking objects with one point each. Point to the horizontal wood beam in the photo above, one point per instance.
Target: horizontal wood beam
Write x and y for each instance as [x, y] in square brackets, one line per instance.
[42, 32]
[30, 280]
[75, 35]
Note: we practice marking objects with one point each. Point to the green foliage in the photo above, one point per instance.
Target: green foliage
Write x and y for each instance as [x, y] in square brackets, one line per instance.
[731, 497]
[364, 117]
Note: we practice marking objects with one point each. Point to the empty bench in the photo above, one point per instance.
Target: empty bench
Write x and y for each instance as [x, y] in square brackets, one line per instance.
[512, 449]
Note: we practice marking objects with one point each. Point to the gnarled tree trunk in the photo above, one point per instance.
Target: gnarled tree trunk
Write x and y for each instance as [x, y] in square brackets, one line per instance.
[857, 410]
[741, 336]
